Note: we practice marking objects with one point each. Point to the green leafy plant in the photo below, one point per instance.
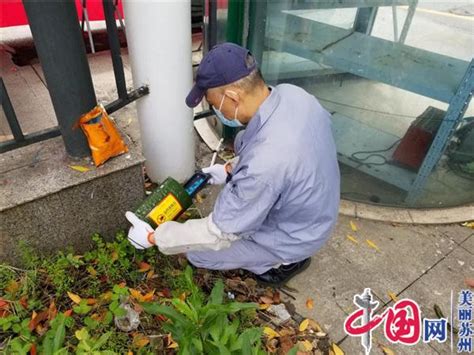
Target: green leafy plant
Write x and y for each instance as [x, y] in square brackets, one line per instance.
[61, 270]
[82, 308]
[66, 303]
[118, 293]
[52, 343]
[91, 346]
[207, 327]
[53, 340]
[18, 346]
[113, 261]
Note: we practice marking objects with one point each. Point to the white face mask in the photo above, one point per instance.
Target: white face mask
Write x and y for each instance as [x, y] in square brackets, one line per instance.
[230, 123]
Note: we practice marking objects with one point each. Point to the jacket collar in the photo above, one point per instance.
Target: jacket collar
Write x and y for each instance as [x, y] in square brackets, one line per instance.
[260, 118]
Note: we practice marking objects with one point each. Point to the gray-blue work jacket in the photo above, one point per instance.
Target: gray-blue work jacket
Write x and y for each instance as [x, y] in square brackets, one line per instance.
[284, 190]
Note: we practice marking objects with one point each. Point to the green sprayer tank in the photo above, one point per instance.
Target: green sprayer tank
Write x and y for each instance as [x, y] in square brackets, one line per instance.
[170, 199]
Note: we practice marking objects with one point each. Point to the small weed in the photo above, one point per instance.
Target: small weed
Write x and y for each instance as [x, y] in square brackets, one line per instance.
[200, 326]
[67, 303]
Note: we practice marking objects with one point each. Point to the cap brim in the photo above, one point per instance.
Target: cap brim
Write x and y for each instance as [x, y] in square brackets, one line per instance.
[195, 96]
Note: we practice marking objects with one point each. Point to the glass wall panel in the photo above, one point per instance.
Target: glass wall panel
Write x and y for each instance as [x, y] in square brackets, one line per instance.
[389, 71]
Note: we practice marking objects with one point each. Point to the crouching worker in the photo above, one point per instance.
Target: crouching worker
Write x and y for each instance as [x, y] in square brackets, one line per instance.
[280, 197]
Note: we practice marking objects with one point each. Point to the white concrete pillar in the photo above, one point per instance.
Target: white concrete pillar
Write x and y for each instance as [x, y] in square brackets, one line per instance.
[159, 46]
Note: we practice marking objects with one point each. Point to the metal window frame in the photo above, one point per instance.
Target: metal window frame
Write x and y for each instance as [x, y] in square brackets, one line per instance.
[454, 115]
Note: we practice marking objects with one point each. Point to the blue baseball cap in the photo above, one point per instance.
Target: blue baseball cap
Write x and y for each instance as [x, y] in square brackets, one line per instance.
[224, 64]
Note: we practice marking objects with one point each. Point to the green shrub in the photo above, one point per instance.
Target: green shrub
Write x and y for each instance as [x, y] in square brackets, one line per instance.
[207, 327]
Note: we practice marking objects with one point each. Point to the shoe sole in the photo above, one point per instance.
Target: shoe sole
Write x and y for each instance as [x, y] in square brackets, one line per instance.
[280, 284]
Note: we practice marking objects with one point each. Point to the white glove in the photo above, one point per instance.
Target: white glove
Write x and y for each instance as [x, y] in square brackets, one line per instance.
[219, 172]
[193, 235]
[140, 233]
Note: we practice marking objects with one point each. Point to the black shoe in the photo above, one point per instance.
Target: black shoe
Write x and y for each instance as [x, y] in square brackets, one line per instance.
[279, 277]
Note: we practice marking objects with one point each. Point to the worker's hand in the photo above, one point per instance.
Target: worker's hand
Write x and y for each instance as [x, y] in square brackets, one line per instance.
[218, 174]
[140, 234]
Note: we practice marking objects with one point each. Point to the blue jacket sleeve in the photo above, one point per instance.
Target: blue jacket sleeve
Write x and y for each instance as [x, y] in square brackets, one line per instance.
[244, 204]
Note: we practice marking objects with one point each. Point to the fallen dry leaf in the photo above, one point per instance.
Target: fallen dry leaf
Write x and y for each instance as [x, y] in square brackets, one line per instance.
[393, 296]
[352, 239]
[266, 300]
[171, 343]
[106, 296]
[199, 198]
[148, 184]
[149, 296]
[161, 318]
[135, 294]
[315, 326]
[91, 301]
[23, 302]
[79, 168]
[52, 311]
[12, 287]
[250, 283]
[68, 313]
[270, 333]
[91, 271]
[337, 350]
[143, 266]
[75, 298]
[386, 350]
[166, 293]
[305, 345]
[276, 297]
[304, 325]
[4, 308]
[4, 313]
[37, 318]
[309, 303]
[114, 256]
[264, 306]
[372, 244]
[141, 298]
[34, 315]
[353, 226]
[140, 340]
[150, 274]
[286, 332]
[468, 224]
[271, 346]
[40, 329]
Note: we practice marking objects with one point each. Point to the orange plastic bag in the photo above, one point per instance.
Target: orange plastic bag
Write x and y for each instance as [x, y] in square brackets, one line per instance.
[102, 135]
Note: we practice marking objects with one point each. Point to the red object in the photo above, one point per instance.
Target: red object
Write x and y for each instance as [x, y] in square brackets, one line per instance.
[413, 147]
[402, 322]
[12, 12]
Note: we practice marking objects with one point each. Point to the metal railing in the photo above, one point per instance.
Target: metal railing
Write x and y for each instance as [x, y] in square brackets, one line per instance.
[124, 97]
[20, 139]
